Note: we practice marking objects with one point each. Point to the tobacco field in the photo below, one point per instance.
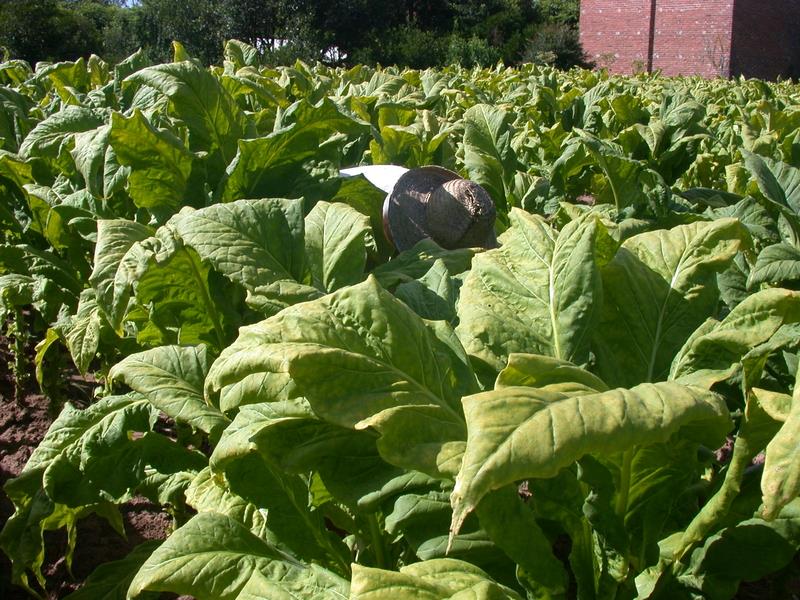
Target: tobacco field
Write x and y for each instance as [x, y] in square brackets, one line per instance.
[603, 407]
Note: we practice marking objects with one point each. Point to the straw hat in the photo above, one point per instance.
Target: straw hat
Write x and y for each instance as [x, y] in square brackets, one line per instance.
[437, 203]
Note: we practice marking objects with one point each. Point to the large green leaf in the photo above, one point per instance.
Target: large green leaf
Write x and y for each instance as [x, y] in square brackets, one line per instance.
[240, 438]
[214, 120]
[718, 346]
[298, 526]
[70, 79]
[282, 163]
[72, 424]
[748, 551]
[419, 438]
[64, 222]
[181, 307]
[57, 131]
[777, 181]
[337, 239]
[489, 157]
[85, 456]
[754, 216]
[272, 298]
[367, 199]
[89, 155]
[256, 388]
[659, 288]
[607, 541]
[437, 579]
[16, 170]
[114, 239]
[289, 435]
[14, 121]
[161, 167]
[213, 557]
[520, 432]
[424, 519]
[433, 296]
[24, 259]
[252, 242]
[548, 373]
[513, 527]
[16, 291]
[539, 293]
[171, 378]
[107, 462]
[260, 587]
[780, 482]
[776, 264]
[209, 492]
[398, 145]
[358, 338]
[270, 480]
[660, 476]
[628, 183]
[413, 263]
[83, 332]
[241, 54]
[362, 358]
[110, 581]
[732, 282]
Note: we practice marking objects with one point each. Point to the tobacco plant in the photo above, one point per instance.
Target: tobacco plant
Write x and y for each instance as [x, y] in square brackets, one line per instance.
[537, 420]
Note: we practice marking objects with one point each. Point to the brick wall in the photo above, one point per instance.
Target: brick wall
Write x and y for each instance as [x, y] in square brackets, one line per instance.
[693, 37]
[766, 38]
[689, 36]
[615, 33]
[757, 38]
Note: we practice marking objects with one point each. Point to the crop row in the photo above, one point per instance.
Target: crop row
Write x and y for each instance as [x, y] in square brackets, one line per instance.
[538, 419]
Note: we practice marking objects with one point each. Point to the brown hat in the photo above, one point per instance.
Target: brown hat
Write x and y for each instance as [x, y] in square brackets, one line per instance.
[437, 203]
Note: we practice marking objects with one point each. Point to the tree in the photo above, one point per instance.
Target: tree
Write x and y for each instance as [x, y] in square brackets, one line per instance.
[36, 30]
[416, 33]
[558, 45]
[355, 25]
[197, 25]
[120, 36]
[558, 11]
[251, 21]
[49, 30]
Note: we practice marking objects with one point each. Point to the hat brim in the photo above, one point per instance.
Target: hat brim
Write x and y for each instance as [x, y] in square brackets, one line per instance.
[405, 218]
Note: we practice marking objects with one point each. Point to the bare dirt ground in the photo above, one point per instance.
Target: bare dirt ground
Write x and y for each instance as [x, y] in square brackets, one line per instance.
[25, 416]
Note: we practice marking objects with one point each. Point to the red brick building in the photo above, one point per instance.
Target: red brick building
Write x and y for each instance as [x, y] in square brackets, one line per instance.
[755, 38]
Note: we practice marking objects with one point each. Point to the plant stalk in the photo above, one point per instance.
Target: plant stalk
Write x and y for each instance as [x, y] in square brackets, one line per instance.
[19, 332]
[625, 483]
[719, 504]
[377, 542]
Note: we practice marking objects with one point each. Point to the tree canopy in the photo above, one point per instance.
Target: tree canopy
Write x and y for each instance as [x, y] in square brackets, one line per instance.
[416, 33]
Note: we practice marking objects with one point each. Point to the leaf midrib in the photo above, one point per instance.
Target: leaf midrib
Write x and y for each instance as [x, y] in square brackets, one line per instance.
[662, 311]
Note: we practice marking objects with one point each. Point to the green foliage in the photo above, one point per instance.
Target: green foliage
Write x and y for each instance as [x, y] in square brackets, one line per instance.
[407, 33]
[435, 579]
[52, 30]
[197, 25]
[557, 45]
[559, 11]
[409, 45]
[533, 420]
[470, 52]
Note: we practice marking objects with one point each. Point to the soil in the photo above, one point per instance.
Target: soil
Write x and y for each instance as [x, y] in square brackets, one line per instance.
[25, 416]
